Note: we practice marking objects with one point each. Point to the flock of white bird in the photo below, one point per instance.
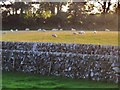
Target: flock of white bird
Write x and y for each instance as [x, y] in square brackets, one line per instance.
[83, 32]
[54, 29]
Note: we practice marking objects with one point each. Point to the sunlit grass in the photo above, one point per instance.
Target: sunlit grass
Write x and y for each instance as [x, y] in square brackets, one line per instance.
[102, 37]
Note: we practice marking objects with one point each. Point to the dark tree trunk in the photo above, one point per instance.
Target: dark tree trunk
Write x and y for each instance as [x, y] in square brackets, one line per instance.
[107, 9]
[104, 7]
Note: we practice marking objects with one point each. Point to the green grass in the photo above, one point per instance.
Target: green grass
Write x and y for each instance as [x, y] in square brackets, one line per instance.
[102, 37]
[23, 80]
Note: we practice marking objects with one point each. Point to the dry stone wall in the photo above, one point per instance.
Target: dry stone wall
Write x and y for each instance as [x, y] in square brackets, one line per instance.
[82, 61]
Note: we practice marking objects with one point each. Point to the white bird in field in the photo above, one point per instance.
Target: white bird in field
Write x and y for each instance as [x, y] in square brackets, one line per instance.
[61, 29]
[82, 32]
[107, 30]
[27, 29]
[44, 30]
[39, 29]
[54, 35]
[72, 29]
[11, 30]
[54, 29]
[16, 30]
[95, 32]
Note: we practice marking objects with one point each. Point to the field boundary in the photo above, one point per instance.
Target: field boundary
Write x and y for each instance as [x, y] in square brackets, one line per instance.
[99, 67]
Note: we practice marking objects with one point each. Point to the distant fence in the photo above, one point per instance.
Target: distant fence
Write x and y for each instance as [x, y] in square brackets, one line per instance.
[82, 61]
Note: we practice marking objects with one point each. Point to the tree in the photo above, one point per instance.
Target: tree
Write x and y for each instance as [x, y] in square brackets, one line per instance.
[75, 11]
[20, 6]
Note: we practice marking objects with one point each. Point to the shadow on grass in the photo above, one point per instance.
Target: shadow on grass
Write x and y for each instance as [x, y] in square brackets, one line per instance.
[61, 87]
[46, 83]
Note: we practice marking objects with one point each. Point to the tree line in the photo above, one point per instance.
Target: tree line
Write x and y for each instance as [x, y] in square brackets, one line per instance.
[49, 15]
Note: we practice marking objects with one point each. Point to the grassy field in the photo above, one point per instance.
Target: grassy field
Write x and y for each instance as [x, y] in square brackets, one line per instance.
[102, 37]
[22, 80]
